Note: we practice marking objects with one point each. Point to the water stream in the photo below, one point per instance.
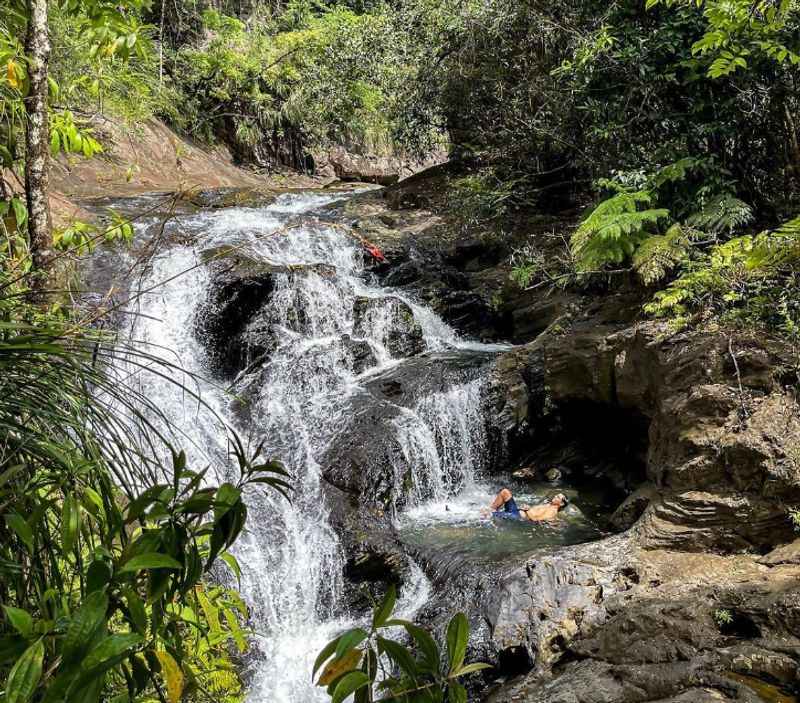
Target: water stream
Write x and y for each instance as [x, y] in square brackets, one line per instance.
[299, 400]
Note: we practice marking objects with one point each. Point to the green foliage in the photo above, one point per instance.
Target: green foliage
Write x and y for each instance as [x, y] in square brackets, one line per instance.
[481, 198]
[81, 237]
[126, 86]
[739, 30]
[104, 548]
[277, 87]
[724, 214]
[723, 617]
[614, 229]
[658, 255]
[794, 518]
[70, 138]
[353, 662]
[751, 279]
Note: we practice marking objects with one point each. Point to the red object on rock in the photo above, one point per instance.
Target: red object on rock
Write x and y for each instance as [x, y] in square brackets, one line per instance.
[376, 253]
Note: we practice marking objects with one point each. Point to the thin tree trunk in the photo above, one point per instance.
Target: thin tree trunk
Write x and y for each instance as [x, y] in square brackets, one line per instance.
[37, 140]
[794, 138]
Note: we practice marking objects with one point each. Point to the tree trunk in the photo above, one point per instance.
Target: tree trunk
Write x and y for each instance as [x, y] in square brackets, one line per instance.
[37, 141]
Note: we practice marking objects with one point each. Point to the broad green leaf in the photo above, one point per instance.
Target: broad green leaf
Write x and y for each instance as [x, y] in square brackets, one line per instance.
[21, 528]
[137, 611]
[425, 643]
[340, 666]
[470, 668]
[233, 565]
[20, 212]
[349, 640]
[172, 675]
[109, 651]
[150, 561]
[226, 498]
[456, 693]
[25, 674]
[457, 636]
[324, 655]
[400, 655]
[98, 575]
[349, 684]
[70, 521]
[20, 620]
[386, 608]
[84, 625]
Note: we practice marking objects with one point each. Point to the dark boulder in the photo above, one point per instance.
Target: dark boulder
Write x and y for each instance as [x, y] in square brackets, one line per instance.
[230, 323]
[359, 354]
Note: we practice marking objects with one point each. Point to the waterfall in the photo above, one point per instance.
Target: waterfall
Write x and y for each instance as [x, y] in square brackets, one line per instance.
[444, 440]
[321, 301]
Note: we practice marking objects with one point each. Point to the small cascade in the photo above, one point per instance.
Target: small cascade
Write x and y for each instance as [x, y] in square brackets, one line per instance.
[323, 330]
[444, 441]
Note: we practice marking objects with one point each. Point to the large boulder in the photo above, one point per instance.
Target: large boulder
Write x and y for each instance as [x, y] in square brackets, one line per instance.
[367, 459]
[539, 607]
[381, 170]
[230, 323]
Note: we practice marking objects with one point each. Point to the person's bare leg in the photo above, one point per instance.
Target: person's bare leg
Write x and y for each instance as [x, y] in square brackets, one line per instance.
[501, 499]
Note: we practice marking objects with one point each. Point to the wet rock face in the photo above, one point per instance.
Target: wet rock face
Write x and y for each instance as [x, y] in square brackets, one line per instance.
[403, 337]
[238, 290]
[360, 354]
[367, 460]
[230, 325]
[375, 557]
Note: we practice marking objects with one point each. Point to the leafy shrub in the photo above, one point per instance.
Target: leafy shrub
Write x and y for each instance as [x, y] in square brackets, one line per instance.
[614, 229]
[103, 548]
[279, 86]
[751, 279]
[723, 617]
[482, 198]
[353, 661]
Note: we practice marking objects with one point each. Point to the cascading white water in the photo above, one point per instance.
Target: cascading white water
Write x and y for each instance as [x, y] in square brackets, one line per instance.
[443, 439]
[291, 559]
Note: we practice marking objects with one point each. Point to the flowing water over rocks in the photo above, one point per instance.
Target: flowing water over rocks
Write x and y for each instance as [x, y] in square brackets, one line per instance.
[371, 401]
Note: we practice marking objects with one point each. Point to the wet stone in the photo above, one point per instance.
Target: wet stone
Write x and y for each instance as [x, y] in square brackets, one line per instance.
[392, 320]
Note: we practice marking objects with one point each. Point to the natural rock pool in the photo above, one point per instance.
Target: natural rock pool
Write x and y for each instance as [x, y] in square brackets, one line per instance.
[454, 526]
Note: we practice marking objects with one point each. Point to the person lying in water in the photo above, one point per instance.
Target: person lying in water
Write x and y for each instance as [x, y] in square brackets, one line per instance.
[504, 506]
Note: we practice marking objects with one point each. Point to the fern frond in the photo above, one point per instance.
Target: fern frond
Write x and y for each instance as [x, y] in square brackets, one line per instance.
[658, 255]
[223, 681]
[613, 230]
[776, 248]
[723, 214]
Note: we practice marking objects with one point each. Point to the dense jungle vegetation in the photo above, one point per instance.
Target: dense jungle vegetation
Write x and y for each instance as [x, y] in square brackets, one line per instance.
[668, 130]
